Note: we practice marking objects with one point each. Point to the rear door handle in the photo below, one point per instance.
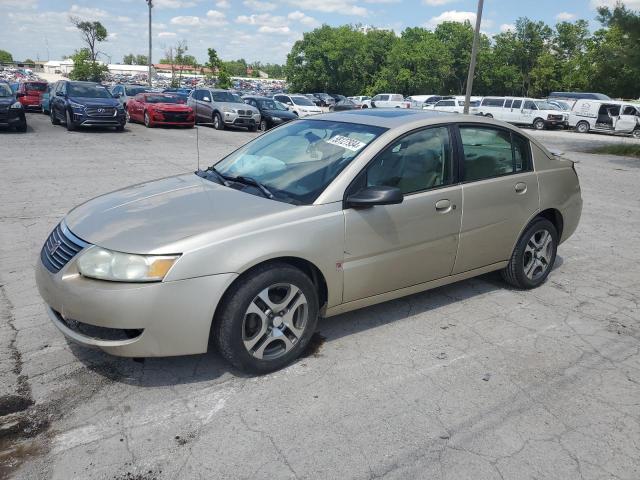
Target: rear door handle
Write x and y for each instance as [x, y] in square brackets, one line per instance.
[521, 187]
[443, 206]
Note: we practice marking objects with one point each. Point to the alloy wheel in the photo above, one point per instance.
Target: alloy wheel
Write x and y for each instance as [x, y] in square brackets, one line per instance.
[275, 321]
[538, 254]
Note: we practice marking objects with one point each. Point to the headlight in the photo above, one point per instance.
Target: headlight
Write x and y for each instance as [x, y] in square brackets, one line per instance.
[76, 105]
[16, 105]
[104, 264]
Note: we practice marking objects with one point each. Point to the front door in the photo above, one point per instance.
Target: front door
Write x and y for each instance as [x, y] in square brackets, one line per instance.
[395, 246]
[500, 192]
[626, 122]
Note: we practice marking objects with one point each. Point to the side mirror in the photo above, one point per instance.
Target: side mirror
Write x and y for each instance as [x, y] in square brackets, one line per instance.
[372, 196]
[206, 99]
[59, 94]
[290, 104]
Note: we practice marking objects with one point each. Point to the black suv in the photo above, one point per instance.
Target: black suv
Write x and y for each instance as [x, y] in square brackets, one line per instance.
[11, 110]
[272, 113]
[85, 104]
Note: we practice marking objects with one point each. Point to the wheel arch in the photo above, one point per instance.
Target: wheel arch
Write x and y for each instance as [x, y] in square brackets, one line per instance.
[552, 214]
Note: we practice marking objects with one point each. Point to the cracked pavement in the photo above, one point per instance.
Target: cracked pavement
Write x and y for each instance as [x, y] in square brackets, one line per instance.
[469, 381]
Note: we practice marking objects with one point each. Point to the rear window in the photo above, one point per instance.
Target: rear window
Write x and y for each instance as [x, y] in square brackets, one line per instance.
[38, 87]
[397, 98]
[132, 91]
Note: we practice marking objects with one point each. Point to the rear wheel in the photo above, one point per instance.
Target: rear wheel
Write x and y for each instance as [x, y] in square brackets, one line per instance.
[538, 124]
[69, 122]
[54, 119]
[488, 115]
[534, 255]
[263, 125]
[582, 127]
[266, 320]
[636, 133]
[128, 116]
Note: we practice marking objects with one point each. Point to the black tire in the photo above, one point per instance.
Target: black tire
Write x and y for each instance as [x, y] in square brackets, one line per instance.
[514, 273]
[229, 324]
[218, 124]
[636, 133]
[538, 124]
[488, 115]
[364, 106]
[583, 127]
[120, 128]
[54, 119]
[147, 120]
[69, 123]
[264, 126]
[253, 128]
[22, 127]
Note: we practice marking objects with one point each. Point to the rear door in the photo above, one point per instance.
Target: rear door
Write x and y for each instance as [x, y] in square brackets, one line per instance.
[389, 247]
[500, 192]
[627, 120]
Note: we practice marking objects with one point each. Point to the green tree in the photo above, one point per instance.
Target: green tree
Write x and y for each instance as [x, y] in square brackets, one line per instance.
[457, 38]
[92, 34]
[129, 59]
[224, 80]
[28, 60]
[85, 69]
[214, 62]
[5, 57]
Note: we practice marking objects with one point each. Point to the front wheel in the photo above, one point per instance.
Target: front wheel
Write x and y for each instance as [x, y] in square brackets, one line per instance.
[266, 319]
[538, 124]
[54, 119]
[636, 133]
[147, 120]
[69, 122]
[22, 127]
[534, 255]
[582, 127]
[218, 124]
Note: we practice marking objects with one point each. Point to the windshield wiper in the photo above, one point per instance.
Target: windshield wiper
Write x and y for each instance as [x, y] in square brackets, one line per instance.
[252, 181]
[218, 175]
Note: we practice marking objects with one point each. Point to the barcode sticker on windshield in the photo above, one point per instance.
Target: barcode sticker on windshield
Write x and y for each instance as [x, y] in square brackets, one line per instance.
[345, 142]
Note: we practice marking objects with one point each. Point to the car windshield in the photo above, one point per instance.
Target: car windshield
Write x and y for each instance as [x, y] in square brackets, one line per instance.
[237, 98]
[546, 106]
[297, 161]
[163, 99]
[87, 90]
[562, 105]
[304, 101]
[271, 105]
[37, 87]
[131, 91]
[5, 91]
[225, 97]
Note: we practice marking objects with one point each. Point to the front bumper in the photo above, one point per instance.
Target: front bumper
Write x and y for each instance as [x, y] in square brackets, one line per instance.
[162, 319]
[82, 118]
[236, 120]
[12, 117]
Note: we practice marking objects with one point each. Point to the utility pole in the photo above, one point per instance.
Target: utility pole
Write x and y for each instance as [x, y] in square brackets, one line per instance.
[474, 54]
[150, 3]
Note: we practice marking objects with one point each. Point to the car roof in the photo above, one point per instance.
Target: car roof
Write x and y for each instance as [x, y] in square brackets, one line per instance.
[384, 117]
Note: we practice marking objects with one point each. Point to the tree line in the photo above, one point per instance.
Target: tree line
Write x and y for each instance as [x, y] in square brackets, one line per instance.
[533, 59]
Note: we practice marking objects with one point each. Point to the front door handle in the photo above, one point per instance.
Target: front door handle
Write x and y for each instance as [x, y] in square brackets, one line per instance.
[443, 206]
[521, 187]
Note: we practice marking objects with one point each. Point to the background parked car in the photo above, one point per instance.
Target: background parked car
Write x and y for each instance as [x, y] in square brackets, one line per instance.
[326, 100]
[85, 104]
[523, 111]
[155, 109]
[223, 108]
[605, 116]
[31, 94]
[389, 100]
[363, 100]
[272, 112]
[298, 104]
[46, 98]
[345, 104]
[579, 95]
[125, 92]
[455, 105]
[316, 101]
[11, 110]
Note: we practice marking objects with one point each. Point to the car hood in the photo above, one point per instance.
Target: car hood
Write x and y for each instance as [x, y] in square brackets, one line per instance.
[154, 217]
[280, 113]
[239, 106]
[95, 102]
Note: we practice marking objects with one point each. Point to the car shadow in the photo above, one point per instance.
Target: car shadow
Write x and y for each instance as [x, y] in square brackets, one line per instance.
[155, 372]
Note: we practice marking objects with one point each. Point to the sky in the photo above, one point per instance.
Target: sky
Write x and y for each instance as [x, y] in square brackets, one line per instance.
[261, 30]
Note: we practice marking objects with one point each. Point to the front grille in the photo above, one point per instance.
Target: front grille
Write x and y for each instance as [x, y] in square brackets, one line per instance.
[176, 116]
[60, 247]
[555, 117]
[99, 333]
[245, 113]
[106, 112]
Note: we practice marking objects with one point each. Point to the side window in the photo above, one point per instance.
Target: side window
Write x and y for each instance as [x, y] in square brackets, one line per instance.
[507, 104]
[516, 104]
[490, 152]
[529, 105]
[493, 102]
[384, 98]
[416, 162]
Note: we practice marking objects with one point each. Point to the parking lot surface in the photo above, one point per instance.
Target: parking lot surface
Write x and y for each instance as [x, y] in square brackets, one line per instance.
[469, 381]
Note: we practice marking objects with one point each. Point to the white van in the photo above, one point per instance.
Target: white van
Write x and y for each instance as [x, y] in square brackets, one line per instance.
[606, 116]
[455, 105]
[389, 100]
[523, 111]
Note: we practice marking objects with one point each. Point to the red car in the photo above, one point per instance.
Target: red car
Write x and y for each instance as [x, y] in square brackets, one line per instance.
[154, 109]
[32, 98]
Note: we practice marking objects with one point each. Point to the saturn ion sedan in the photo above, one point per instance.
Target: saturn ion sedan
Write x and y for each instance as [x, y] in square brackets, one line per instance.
[313, 219]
